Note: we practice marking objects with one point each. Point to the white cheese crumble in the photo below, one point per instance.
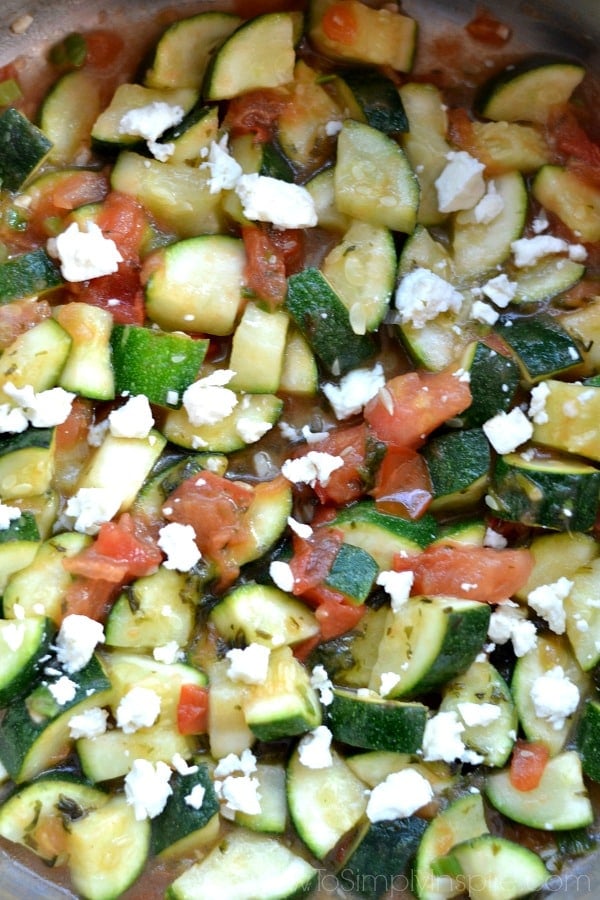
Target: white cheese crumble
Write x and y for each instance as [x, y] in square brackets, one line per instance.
[90, 723]
[147, 788]
[528, 251]
[397, 585]
[76, 641]
[555, 697]
[548, 602]
[282, 575]
[314, 749]
[494, 539]
[132, 420]
[399, 796]
[240, 793]
[149, 122]
[388, 682]
[422, 295]
[478, 714]
[250, 665]
[311, 468]
[251, 430]
[8, 514]
[225, 171]
[483, 312]
[138, 708]
[507, 431]
[354, 390]
[86, 254]
[500, 290]
[460, 185]
[508, 623]
[489, 207]
[181, 765]
[442, 740]
[178, 542]
[195, 798]
[168, 653]
[284, 204]
[91, 507]
[12, 419]
[207, 401]
[300, 528]
[63, 690]
[245, 763]
[322, 683]
[537, 403]
[44, 409]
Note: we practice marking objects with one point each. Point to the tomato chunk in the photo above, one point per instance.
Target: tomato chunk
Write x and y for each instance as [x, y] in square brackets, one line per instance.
[256, 112]
[312, 560]
[349, 481]
[120, 551]
[336, 618]
[527, 764]
[471, 573]
[192, 709]
[264, 272]
[403, 485]
[340, 24]
[487, 29]
[410, 406]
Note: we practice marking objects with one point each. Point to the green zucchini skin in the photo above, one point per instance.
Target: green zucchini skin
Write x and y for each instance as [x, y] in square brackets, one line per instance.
[24, 148]
[19, 667]
[27, 275]
[542, 346]
[373, 723]
[385, 853]
[378, 98]
[180, 826]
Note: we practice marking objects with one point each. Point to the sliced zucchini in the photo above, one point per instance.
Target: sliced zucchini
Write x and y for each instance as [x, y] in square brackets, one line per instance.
[87, 370]
[542, 346]
[374, 180]
[352, 573]
[236, 867]
[253, 415]
[383, 854]
[25, 643]
[458, 463]
[504, 869]
[493, 379]
[68, 113]
[35, 358]
[183, 828]
[377, 98]
[575, 202]
[526, 92]
[374, 723]
[30, 274]
[546, 279]
[107, 131]
[583, 616]
[228, 731]
[507, 146]
[24, 148]
[27, 462]
[572, 413]
[555, 555]
[559, 802]
[191, 139]
[588, 740]
[258, 54]
[299, 374]
[273, 815]
[257, 350]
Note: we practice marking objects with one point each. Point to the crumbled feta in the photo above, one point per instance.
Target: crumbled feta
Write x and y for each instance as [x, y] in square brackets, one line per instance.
[460, 185]
[507, 431]
[547, 601]
[181, 765]
[8, 514]
[179, 543]
[555, 697]
[540, 223]
[168, 653]
[354, 390]
[149, 122]
[333, 127]
[422, 295]
[300, 528]
[284, 204]
[225, 171]
[90, 723]
[489, 207]
[240, 794]
[43, 410]
[63, 690]
[132, 420]
[500, 290]
[76, 641]
[245, 763]
[478, 714]
[13, 634]
[577, 253]
[138, 708]
[147, 788]
[282, 575]
[12, 419]
[311, 468]
[397, 585]
[249, 665]
[97, 432]
[388, 682]
[537, 403]
[86, 254]
[207, 401]
[91, 507]
[483, 312]
[251, 430]
[195, 798]
[527, 251]
[442, 740]
[322, 683]
[494, 539]
[508, 623]
[399, 796]
[314, 749]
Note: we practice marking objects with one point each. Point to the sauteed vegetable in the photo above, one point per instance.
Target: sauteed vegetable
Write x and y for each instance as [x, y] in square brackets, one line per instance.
[299, 460]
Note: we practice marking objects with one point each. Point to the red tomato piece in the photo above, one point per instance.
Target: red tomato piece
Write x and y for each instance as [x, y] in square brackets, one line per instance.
[487, 29]
[348, 482]
[256, 112]
[123, 219]
[19, 316]
[410, 406]
[120, 293]
[337, 618]
[339, 23]
[92, 597]
[403, 486]
[527, 764]
[121, 550]
[570, 139]
[104, 48]
[312, 560]
[472, 573]
[264, 273]
[192, 709]
[290, 243]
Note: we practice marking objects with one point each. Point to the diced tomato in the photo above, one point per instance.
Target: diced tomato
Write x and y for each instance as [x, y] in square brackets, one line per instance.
[290, 243]
[215, 507]
[312, 559]
[348, 482]
[339, 23]
[19, 316]
[120, 293]
[123, 219]
[410, 406]
[487, 29]
[104, 48]
[403, 486]
[527, 764]
[256, 112]
[264, 272]
[92, 597]
[337, 618]
[469, 572]
[192, 709]
[121, 550]
[68, 193]
[72, 447]
[570, 139]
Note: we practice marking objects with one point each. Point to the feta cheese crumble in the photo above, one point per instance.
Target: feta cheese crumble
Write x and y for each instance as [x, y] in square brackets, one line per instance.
[284, 204]
[321, 682]
[500, 290]
[178, 542]
[44, 409]
[555, 697]
[234, 785]
[207, 401]
[90, 723]
[509, 623]
[422, 295]
[195, 798]
[548, 602]
[282, 575]
[147, 788]
[91, 507]
[138, 708]
[537, 403]
[397, 585]
[354, 390]
[311, 468]
[478, 714]
[507, 431]
[442, 740]
[250, 664]
[76, 641]
[149, 122]
[314, 749]
[225, 171]
[528, 251]
[63, 690]
[132, 420]
[387, 683]
[84, 254]
[8, 514]
[399, 796]
[460, 185]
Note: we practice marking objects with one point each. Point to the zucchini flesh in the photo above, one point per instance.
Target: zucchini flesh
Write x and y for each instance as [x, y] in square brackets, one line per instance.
[528, 91]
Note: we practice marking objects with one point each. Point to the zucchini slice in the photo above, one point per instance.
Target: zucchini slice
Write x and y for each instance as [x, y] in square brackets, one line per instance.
[542, 347]
[458, 463]
[24, 643]
[374, 723]
[506, 869]
[257, 350]
[88, 370]
[30, 274]
[527, 91]
[24, 149]
[67, 115]
[107, 130]
[575, 202]
[182, 828]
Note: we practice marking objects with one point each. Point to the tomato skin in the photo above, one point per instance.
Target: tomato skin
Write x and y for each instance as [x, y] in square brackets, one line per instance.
[339, 24]
[336, 618]
[468, 572]
[120, 294]
[312, 559]
[264, 272]
[410, 406]
[192, 709]
[348, 482]
[487, 29]
[570, 140]
[124, 221]
[92, 597]
[121, 550]
[403, 485]
[255, 112]
[527, 764]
